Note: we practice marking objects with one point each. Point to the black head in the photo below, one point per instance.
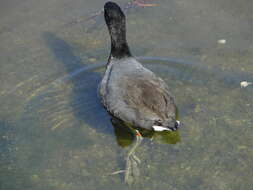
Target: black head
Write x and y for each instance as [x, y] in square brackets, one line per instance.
[116, 23]
[113, 14]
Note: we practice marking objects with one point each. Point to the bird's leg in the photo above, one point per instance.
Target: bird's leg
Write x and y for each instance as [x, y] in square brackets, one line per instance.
[132, 161]
[132, 171]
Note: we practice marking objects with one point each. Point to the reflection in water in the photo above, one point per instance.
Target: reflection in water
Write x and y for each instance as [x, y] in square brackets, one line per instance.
[54, 134]
[72, 99]
[85, 102]
[125, 135]
[85, 105]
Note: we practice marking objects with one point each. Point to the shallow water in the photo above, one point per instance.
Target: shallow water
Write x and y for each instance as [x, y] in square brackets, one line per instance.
[54, 133]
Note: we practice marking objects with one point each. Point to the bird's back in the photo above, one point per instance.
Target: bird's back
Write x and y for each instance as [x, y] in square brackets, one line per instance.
[134, 94]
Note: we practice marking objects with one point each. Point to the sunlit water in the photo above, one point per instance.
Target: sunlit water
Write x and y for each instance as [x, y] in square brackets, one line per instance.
[54, 133]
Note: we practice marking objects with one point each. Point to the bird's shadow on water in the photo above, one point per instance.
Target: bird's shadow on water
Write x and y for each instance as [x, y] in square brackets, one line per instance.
[84, 101]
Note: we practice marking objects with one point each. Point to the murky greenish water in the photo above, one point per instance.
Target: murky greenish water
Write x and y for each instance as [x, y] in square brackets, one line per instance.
[54, 133]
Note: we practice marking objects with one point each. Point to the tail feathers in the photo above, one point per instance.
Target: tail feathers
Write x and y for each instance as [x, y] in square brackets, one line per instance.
[161, 128]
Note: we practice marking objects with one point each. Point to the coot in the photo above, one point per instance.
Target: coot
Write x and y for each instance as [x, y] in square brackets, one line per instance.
[128, 90]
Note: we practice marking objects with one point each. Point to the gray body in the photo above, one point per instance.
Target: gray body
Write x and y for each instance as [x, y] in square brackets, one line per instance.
[136, 95]
[129, 91]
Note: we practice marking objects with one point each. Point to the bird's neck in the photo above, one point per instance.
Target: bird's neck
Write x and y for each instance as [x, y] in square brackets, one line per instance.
[119, 46]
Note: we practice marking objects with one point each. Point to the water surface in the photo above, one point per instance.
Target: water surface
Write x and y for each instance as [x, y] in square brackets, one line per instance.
[54, 133]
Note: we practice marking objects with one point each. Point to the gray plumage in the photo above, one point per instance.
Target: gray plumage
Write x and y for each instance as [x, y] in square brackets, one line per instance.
[128, 90]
